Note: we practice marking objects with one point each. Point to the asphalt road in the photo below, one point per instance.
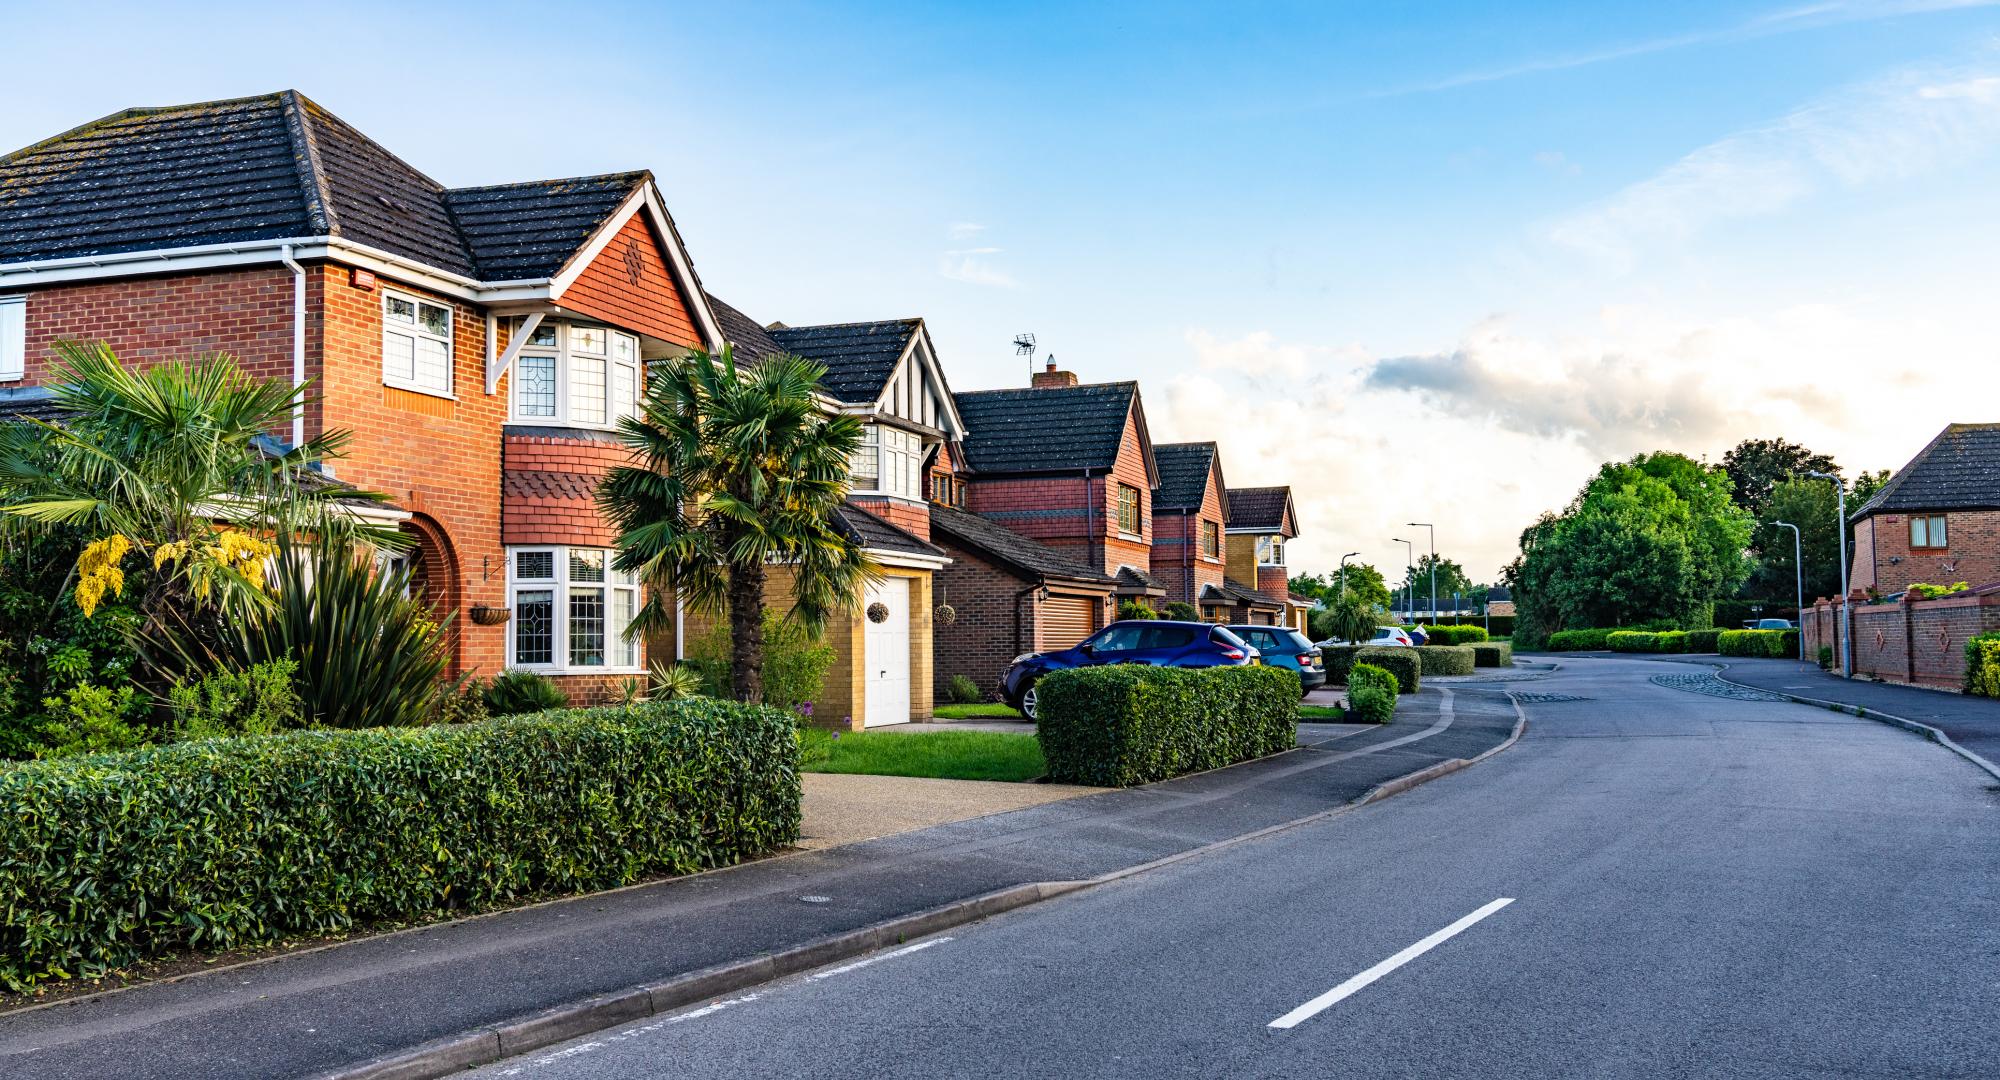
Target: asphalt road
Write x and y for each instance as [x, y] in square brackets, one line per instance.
[1697, 886]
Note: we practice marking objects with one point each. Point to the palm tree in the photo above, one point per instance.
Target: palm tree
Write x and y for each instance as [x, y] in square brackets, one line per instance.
[735, 471]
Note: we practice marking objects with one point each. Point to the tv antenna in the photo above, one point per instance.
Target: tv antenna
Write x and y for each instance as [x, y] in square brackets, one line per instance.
[1024, 345]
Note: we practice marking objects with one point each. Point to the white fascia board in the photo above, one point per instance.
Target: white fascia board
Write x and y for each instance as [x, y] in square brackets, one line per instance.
[647, 198]
[908, 561]
[956, 429]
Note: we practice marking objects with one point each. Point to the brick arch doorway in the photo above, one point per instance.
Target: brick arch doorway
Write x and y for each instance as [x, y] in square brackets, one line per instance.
[434, 576]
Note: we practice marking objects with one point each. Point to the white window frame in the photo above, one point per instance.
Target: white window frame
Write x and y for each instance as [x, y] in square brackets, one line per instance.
[633, 366]
[621, 657]
[1270, 551]
[416, 332]
[13, 338]
[897, 457]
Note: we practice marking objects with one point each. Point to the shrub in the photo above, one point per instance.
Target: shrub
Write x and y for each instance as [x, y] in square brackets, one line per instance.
[1932, 592]
[91, 719]
[795, 662]
[1826, 657]
[1443, 659]
[464, 703]
[1493, 654]
[1182, 611]
[1455, 634]
[1982, 663]
[1402, 662]
[1776, 643]
[1126, 724]
[258, 701]
[1136, 609]
[1703, 641]
[1577, 640]
[512, 693]
[1630, 641]
[961, 690]
[223, 843]
[1371, 694]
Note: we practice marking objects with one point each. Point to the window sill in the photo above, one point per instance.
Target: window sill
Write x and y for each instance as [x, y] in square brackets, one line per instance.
[427, 391]
[913, 500]
[555, 422]
[1137, 538]
[556, 671]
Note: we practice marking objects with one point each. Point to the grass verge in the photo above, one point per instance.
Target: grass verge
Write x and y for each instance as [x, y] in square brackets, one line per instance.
[989, 710]
[945, 755]
[1327, 714]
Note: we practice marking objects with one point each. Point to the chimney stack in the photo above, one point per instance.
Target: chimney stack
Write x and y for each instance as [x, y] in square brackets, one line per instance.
[1051, 379]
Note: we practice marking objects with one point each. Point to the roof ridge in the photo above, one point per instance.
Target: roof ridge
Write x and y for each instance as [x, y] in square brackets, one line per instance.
[1902, 475]
[639, 174]
[861, 322]
[1120, 384]
[312, 175]
[127, 114]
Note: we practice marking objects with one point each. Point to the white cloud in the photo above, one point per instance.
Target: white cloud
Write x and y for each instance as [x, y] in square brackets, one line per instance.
[1892, 128]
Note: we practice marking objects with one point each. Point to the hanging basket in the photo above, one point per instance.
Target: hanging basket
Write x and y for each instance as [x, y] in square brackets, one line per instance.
[946, 614]
[878, 612]
[486, 615]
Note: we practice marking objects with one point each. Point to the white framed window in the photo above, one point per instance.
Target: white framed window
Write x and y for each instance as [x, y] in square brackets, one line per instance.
[13, 338]
[1270, 551]
[889, 461]
[416, 344]
[570, 610]
[576, 376]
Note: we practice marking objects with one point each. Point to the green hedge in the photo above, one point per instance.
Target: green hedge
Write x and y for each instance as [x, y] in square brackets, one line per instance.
[1371, 694]
[1982, 664]
[220, 843]
[1397, 660]
[1578, 640]
[1703, 641]
[1443, 659]
[1777, 643]
[1493, 654]
[1454, 634]
[1647, 641]
[1125, 724]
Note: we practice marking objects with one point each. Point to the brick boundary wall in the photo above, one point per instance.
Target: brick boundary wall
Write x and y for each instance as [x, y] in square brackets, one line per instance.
[1919, 642]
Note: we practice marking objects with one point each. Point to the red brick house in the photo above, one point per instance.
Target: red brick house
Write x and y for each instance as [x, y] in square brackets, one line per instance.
[1190, 512]
[481, 343]
[1261, 520]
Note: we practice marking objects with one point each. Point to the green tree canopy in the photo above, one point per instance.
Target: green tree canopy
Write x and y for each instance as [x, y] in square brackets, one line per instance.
[1812, 506]
[1656, 538]
[1451, 579]
[1755, 466]
[1362, 580]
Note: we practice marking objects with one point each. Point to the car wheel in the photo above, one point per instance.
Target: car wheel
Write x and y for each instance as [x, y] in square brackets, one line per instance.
[1028, 703]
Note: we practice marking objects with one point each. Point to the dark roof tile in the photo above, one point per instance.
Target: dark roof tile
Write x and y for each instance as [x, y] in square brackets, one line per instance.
[1235, 592]
[1051, 430]
[876, 534]
[1184, 469]
[859, 357]
[1959, 470]
[520, 232]
[1025, 556]
[750, 341]
[1259, 508]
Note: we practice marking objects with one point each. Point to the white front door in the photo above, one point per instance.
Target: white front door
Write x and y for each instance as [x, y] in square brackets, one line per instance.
[886, 653]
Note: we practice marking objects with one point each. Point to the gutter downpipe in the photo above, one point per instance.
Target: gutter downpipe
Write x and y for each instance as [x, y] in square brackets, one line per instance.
[298, 344]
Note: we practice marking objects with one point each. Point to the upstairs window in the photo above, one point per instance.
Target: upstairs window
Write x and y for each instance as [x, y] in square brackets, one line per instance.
[1928, 532]
[576, 376]
[416, 344]
[889, 461]
[13, 338]
[1211, 540]
[1270, 551]
[1128, 510]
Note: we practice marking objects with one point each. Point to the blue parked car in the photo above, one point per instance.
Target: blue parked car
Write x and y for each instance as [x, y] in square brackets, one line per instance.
[1285, 647]
[1133, 641]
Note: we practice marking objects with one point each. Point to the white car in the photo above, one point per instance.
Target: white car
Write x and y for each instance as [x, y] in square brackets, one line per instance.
[1385, 637]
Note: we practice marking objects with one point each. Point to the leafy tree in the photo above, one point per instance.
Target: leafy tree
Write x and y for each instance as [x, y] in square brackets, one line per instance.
[1348, 618]
[1811, 505]
[1451, 579]
[1315, 586]
[1655, 538]
[737, 472]
[1865, 487]
[1756, 466]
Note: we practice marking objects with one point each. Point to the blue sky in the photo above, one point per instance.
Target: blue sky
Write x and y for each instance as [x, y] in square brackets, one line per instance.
[1426, 264]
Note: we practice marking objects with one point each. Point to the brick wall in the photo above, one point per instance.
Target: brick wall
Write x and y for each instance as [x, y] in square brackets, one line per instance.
[999, 618]
[1076, 515]
[911, 517]
[1912, 641]
[246, 313]
[549, 486]
[630, 285]
[1883, 558]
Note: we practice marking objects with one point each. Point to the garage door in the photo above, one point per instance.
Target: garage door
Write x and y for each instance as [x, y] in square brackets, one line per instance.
[886, 651]
[1067, 620]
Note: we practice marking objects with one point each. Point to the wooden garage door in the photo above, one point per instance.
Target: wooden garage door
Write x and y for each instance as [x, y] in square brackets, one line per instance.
[1067, 620]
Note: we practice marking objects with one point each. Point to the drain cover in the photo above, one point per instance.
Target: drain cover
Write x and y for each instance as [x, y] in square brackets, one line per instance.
[816, 899]
[1538, 699]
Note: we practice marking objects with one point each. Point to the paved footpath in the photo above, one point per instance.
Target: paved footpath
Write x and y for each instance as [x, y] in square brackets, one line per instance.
[1662, 879]
[320, 1011]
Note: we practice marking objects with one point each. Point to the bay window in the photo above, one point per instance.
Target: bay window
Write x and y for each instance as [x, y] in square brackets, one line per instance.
[889, 461]
[416, 344]
[578, 376]
[570, 610]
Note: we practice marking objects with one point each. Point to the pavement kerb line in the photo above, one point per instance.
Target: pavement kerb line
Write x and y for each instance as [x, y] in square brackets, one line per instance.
[564, 1022]
[1920, 728]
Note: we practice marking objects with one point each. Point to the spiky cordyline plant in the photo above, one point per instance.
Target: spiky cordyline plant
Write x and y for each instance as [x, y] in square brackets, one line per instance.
[736, 471]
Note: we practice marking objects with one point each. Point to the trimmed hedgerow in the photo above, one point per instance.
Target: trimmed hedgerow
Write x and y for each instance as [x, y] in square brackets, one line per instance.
[1443, 659]
[1703, 641]
[1125, 724]
[1371, 694]
[1777, 643]
[109, 858]
[1647, 641]
[1399, 661]
[1454, 634]
[1578, 640]
[1493, 654]
[1982, 663]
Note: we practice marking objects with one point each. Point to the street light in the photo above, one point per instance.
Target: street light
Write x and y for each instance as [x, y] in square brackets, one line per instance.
[1434, 562]
[1343, 572]
[1846, 609]
[1409, 575]
[1798, 564]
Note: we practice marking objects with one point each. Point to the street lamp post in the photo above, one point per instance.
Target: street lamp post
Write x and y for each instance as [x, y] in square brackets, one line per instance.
[1409, 575]
[1846, 609]
[1343, 572]
[1798, 564]
[1434, 563]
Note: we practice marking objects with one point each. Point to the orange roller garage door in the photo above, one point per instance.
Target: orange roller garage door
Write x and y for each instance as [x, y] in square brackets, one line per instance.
[1067, 620]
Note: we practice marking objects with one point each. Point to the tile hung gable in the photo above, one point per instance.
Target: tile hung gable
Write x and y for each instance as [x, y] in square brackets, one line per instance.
[628, 283]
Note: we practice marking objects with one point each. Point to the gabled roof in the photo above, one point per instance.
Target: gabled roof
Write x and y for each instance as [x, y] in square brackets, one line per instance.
[1234, 592]
[278, 166]
[749, 340]
[874, 533]
[1265, 509]
[1031, 560]
[859, 357]
[1184, 470]
[1959, 470]
[1058, 430]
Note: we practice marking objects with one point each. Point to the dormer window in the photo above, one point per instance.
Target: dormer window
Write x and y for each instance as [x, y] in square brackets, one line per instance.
[576, 376]
[1270, 551]
[889, 461]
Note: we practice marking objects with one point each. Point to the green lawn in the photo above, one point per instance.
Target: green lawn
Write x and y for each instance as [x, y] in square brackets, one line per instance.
[1327, 713]
[950, 755]
[991, 710]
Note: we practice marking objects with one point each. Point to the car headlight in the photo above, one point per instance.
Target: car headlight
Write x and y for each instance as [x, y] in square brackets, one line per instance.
[1024, 656]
